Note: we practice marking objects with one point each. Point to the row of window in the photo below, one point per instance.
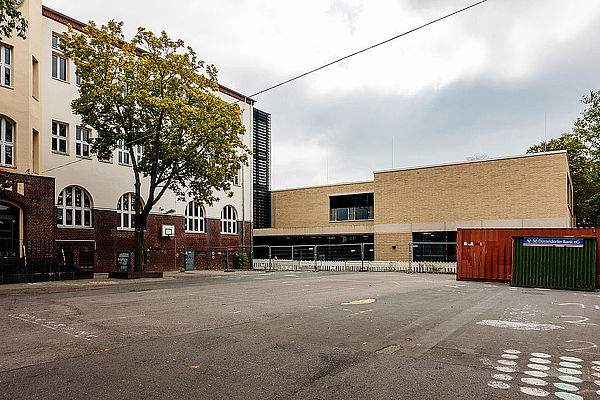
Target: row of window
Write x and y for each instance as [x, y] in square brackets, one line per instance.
[75, 210]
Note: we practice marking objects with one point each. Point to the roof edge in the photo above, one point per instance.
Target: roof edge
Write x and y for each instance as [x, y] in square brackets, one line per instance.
[322, 186]
[78, 25]
[470, 162]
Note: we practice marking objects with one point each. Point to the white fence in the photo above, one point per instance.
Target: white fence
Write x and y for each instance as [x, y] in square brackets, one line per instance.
[341, 266]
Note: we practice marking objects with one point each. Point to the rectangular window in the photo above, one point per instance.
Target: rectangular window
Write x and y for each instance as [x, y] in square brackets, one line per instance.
[82, 147]
[55, 42]
[7, 140]
[123, 153]
[77, 78]
[6, 66]
[35, 87]
[353, 207]
[59, 137]
[139, 151]
[236, 178]
[59, 67]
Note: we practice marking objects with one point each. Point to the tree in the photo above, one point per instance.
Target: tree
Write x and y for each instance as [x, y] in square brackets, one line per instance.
[163, 99]
[11, 19]
[583, 148]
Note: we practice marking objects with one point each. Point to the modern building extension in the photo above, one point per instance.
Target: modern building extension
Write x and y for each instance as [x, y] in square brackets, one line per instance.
[401, 210]
[57, 199]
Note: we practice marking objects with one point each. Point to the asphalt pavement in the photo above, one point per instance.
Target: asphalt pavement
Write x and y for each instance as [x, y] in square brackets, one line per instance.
[299, 335]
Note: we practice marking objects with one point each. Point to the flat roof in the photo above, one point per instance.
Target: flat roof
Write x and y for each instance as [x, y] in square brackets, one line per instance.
[425, 166]
[471, 161]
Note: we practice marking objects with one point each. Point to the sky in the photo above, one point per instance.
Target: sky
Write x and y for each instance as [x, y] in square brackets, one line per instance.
[493, 80]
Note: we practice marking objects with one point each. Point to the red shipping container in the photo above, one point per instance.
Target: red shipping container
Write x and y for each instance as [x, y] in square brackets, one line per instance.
[485, 254]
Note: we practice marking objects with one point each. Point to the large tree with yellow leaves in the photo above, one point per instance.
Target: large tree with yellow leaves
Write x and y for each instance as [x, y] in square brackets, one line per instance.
[152, 91]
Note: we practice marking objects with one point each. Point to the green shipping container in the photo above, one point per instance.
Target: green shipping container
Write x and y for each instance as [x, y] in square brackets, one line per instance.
[554, 262]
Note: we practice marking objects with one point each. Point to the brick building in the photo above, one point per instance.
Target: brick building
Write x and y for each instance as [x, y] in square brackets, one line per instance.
[401, 210]
[57, 197]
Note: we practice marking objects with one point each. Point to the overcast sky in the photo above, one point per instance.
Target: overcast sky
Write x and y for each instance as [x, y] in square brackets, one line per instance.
[492, 80]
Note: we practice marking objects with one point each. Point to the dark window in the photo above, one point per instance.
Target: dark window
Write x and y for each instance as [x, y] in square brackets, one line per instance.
[86, 259]
[434, 246]
[351, 207]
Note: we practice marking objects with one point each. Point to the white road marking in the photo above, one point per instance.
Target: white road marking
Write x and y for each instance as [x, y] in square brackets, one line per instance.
[537, 374]
[569, 371]
[534, 381]
[510, 356]
[540, 360]
[498, 385]
[534, 391]
[511, 351]
[507, 362]
[541, 355]
[505, 369]
[520, 326]
[566, 386]
[502, 377]
[81, 334]
[568, 396]
[572, 304]
[538, 367]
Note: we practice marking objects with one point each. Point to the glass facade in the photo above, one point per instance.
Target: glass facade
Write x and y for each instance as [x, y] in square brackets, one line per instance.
[434, 246]
[351, 207]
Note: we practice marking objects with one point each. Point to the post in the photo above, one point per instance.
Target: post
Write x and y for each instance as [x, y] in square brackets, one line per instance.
[362, 256]
[270, 267]
[315, 257]
[292, 253]
[410, 258]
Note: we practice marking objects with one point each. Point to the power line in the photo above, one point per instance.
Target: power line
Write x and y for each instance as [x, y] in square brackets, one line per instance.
[321, 67]
[368, 48]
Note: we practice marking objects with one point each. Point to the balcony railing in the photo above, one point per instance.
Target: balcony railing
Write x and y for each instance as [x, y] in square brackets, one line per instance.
[351, 213]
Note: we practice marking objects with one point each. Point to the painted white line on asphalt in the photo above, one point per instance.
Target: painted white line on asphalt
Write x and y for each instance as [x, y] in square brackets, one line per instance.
[536, 374]
[570, 379]
[534, 381]
[498, 385]
[510, 356]
[505, 369]
[512, 351]
[538, 367]
[507, 362]
[541, 355]
[571, 359]
[569, 364]
[502, 377]
[540, 360]
[520, 326]
[63, 328]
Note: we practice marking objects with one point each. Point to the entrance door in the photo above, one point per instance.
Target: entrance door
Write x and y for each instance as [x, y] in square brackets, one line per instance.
[189, 260]
[9, 230]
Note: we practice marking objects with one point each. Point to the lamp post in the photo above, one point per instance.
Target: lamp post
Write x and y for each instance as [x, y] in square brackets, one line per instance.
[171, 211]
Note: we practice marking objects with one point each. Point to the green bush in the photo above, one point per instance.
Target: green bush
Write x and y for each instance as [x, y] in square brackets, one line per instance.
[240, 260]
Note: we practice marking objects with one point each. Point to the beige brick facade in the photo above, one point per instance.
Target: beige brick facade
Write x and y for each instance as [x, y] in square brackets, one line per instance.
[520, 191]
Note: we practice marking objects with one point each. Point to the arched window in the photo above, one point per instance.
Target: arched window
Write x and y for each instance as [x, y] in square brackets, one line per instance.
[7, 143]
[74, 207]
[126, 211]
[228, 220]
[194, 217]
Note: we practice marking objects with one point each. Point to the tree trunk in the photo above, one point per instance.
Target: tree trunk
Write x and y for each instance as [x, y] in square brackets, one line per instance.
[138, 247]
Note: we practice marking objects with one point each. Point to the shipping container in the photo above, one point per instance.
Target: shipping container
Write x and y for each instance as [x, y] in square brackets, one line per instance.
[554, 262]
[485, 254]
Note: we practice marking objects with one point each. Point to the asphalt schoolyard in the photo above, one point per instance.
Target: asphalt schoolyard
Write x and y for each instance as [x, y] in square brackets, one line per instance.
[253, 335]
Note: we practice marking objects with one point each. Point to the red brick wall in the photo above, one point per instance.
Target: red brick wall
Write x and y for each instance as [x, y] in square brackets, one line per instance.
[160, 252]
[37, 202]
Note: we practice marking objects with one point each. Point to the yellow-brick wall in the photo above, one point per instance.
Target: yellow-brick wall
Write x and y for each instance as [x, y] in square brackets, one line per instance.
[309, 207]
[384, 250]
[533, 187]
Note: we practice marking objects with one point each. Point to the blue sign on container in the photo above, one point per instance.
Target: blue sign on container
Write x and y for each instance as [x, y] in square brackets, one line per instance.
[553, 242]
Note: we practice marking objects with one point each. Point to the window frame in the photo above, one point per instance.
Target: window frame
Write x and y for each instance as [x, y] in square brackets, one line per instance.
[196, 219]
[229, 222]
[123, 153]
[56, 136]
[56, 69]
[130, 212]
[82, 144]
[4, 66]
[86, 212]
[4, 145]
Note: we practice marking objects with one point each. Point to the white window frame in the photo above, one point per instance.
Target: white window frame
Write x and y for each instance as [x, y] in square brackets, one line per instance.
[82, 145]
[236, 177]
[229, 220]
[194, 218]
[59, 73]
[58, 138]
[126, 214]
[83, 209]
[6, 144]
[122, 153]
[6, 66]
[56, 43]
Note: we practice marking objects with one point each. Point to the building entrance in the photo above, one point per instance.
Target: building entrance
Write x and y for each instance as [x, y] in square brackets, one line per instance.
[9, 230]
